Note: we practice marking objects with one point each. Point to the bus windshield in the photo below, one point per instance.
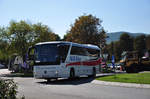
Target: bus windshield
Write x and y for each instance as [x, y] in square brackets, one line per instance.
[46, 54]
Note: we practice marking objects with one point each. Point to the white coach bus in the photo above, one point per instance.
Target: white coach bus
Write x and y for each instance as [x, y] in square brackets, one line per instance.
[64, 60]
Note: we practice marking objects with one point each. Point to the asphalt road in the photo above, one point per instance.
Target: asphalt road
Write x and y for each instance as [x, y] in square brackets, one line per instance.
[82, 88]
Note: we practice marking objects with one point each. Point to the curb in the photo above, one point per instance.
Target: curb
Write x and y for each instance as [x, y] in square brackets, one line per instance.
[131, 85]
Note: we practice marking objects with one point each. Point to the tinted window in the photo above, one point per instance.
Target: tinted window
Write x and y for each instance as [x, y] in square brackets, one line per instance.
[84, 51]
[78, 51]
[93, 53]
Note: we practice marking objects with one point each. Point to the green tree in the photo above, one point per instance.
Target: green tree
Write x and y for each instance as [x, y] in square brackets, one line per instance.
[102, 40]
[42, 33]
[140, 44]
[54, 37]
[19, 35]
[86, 29]
[3, 33]
[126, 42]
[110, 49]
[4, 51]
[148, 42]
[4, 45]
[117, 50]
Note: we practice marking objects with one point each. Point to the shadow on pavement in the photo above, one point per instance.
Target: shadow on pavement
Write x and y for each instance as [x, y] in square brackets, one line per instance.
[76, 81]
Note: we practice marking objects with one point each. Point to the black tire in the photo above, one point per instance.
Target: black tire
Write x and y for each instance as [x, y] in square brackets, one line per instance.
[94, 72]
[128, 70]
[48, 80]
[132, 69]
[72, 74]
[135, 68]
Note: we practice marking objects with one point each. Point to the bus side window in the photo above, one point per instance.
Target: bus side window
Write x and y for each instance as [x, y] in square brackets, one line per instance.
[78, 51]
[94, 53]
[74, 50]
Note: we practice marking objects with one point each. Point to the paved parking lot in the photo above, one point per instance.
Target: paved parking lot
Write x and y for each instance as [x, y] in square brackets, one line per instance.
[81, 88]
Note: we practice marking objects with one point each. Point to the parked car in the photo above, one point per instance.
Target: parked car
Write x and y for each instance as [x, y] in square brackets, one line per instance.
[110, 65]
[1, 65]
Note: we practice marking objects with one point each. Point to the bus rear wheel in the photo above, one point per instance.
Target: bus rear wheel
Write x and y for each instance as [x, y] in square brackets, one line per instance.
[94, 72]
[48, 80]
[72, 74]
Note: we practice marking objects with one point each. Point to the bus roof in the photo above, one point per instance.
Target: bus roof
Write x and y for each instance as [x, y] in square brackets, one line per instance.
[73, 44]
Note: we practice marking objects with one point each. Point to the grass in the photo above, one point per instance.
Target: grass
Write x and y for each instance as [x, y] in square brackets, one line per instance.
[139, 78]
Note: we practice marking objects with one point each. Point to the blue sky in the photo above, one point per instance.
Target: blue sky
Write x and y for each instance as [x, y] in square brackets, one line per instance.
[117, 15]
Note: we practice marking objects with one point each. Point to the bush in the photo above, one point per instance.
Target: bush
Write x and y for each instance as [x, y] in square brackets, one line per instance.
[8, 89]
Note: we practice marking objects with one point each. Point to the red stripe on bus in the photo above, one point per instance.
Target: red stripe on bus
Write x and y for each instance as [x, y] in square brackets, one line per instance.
[87, 63]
